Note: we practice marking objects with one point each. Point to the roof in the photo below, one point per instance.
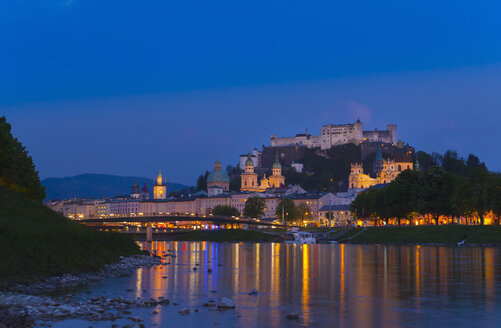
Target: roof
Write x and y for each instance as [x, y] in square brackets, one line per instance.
[335, 208]
[218, 176]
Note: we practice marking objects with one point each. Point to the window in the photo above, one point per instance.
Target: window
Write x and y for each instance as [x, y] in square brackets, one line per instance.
[400, 168]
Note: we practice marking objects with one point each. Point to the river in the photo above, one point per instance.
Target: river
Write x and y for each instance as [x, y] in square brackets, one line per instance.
[328, 285]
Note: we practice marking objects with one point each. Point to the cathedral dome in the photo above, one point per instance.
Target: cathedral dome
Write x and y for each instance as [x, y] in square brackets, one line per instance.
[218, 176]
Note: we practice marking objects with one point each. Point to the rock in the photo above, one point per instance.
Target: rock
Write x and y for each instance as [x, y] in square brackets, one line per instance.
[195, 269]
[175, 303]
[129, 290]
[253, 292]
[135, 319]
[154, 312]
[209, 304]
[151, 302]
[184, 312]
[164, 277]
[196, 310]
[293, 316]
[209, 270]
[164, 302]
[213, 291]
[226, 303]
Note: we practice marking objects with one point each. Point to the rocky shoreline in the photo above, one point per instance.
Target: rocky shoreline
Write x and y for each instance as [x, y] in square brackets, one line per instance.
[21, 305]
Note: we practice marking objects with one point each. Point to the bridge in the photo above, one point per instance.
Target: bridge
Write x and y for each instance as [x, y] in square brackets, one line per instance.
[216, 219]
[148, 220]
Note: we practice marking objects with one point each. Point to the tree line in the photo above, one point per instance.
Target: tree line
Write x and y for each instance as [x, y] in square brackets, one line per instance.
[448, 186]
[17, 170]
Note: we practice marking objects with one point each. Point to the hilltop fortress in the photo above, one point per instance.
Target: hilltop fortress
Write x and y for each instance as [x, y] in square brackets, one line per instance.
[334, 135]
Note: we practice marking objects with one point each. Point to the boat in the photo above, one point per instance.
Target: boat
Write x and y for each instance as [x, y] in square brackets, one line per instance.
[302, 237]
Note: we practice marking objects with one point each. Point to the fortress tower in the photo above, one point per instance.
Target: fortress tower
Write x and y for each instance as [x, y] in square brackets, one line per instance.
[159, 189]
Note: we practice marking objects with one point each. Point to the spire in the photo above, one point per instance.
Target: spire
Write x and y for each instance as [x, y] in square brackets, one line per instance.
[249, 161]
[135, 188]
[277, 165]
[159, 178]
[379, 160]
[417, 166]
[217, 165]
[379, 153]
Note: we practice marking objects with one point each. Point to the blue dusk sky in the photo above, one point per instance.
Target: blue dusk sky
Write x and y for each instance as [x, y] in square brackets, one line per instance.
[128, 87]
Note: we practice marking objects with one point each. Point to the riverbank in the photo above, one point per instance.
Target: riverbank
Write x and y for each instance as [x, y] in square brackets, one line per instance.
[23, 304]
[438, 235]
[36, 242]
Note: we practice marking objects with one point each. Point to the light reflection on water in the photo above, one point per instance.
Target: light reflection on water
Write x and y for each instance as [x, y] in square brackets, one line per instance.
[329, 285]
[341, 285]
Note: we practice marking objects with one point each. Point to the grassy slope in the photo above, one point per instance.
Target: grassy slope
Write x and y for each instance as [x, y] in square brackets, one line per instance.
[37, 242]
[446, 234]
[226, 235]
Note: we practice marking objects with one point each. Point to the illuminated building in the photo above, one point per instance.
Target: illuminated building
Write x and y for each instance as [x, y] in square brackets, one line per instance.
[159, 189]
[385, 170]
[249, 179]
[338, 134]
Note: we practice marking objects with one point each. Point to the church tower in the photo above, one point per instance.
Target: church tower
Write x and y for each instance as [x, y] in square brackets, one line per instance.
[276, 179]
[249, 177]
[159, 189]
[135, 191]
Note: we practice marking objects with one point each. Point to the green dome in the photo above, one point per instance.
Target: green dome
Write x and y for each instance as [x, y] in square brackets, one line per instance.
[249, 161]
[218, 176]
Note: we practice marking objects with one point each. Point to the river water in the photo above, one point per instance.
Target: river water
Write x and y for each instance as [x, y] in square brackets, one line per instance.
[328, 285]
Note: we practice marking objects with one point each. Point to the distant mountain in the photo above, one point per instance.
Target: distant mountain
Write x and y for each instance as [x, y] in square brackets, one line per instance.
[97, 185]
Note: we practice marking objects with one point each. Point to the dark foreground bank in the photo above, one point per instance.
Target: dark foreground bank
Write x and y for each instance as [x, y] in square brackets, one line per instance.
[445, 234]
[36, 242]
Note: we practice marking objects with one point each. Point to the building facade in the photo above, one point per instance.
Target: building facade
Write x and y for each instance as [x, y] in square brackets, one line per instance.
[338, 134]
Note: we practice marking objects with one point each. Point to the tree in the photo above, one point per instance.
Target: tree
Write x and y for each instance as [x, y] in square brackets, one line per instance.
[425, 160]
[254, 207]
[479, 182]
[451, 162]
[403, 196]
[435, 194]
[495, 196]
[17, 170]
[303, 212]
[225, 210]
[289, 210]
[202, 181]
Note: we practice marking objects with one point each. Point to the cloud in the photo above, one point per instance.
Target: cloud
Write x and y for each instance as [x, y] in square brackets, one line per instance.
[359, 111]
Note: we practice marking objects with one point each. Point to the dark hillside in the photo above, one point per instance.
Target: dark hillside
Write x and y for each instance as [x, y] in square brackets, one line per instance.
[37, 242]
